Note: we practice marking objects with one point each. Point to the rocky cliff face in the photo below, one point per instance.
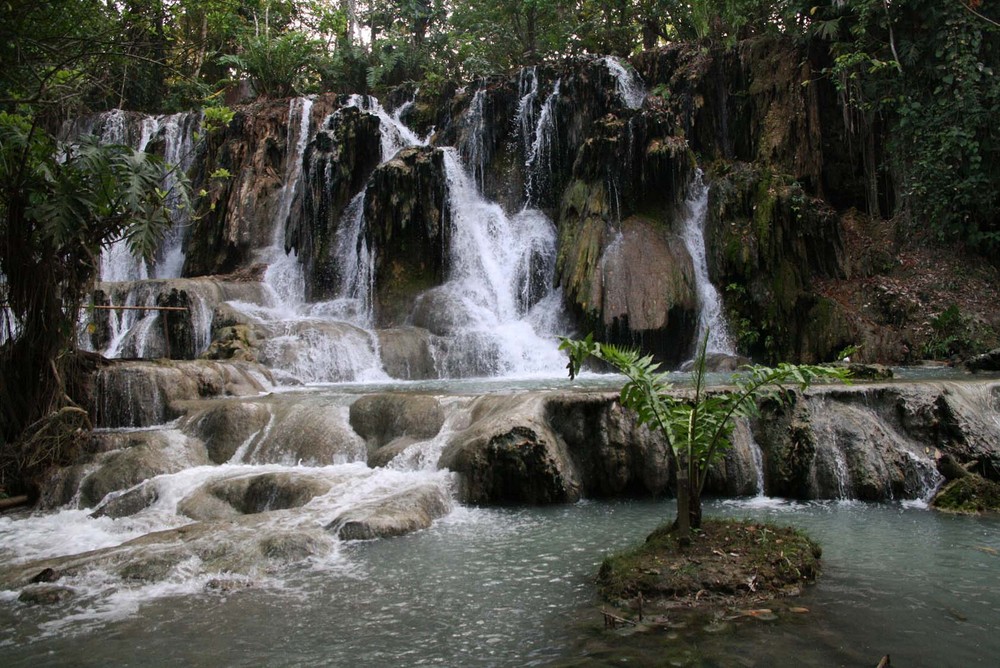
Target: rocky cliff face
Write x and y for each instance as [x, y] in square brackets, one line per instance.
[803, 274]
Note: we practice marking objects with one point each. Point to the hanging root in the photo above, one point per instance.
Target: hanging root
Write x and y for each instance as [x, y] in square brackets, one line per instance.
[54, 440]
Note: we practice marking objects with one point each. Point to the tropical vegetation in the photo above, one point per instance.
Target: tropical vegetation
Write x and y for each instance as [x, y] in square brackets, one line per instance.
[697, 424]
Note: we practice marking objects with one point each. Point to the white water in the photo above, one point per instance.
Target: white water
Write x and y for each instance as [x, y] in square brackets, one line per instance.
[758, 463]
[178, 130]
[630, 88]
[498, 265]
[710, 316]
[538, 161]
[395, 135]
[284, 273]
[473, 148]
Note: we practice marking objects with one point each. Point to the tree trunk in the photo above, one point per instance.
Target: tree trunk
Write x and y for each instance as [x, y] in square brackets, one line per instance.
[683, 521]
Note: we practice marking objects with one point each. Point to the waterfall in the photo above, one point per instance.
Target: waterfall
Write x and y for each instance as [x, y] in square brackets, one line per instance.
[473, 147]
[178, 152]
[538, 162]
[395, 135]
[500, 268]
[710, 316]
[525, 119]
[354, 301]
[284, 271]
[627, 82]
[758, 463]
[137, 131]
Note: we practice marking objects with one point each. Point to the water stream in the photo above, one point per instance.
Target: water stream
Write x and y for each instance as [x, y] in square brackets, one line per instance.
[711, 319]
[512, 587]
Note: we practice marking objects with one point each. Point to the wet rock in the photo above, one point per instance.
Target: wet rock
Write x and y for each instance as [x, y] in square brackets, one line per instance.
[406, 353]
[307, 430]
[46, 575]
[509, 454]
[969, 495]
[399, 514]
[142, 394]
[336, 167]
[718, 362]
[246, 495]
[175, 334]
[390, 451]
[236, 214]
[226, 585]
[128, 503]
[317, 350]
[986, 362]
[406, 216]
[631, 283]
[949, 467]
[224, 426]
[240, 342]
[45, 594]
[150, 454]
[381, 418]
[440, 312]
[612, 455]
[773, 239]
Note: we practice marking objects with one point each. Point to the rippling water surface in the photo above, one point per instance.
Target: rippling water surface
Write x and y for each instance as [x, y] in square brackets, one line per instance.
[511, 587]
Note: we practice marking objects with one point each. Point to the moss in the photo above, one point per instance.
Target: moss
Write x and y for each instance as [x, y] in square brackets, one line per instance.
[970, 494]
[728, 559]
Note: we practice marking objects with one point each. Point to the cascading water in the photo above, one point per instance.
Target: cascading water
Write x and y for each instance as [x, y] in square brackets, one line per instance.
[710, 315]
[284, 272]
[473, 148]
[500, 268]
[395, 135]
[629, 86]
[526, 117]
[538, 160]
[179, 132]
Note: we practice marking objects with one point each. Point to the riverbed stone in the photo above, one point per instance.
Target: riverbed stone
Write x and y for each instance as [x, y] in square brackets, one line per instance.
[45, 594]
[128, 503]
[398, 514]
[406, 353]
[143, 393]
[225, 426]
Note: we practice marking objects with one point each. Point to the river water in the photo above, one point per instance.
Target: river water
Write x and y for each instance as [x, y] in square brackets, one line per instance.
[513, 587]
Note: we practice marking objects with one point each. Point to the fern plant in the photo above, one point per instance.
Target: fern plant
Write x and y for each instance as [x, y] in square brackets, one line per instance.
[697, 424]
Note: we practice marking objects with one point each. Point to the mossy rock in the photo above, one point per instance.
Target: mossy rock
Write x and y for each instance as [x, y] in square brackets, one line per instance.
[969, 495]
[726, 562]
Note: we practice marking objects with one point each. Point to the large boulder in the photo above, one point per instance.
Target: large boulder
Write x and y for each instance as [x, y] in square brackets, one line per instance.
[337, 165]
[250, 494]
[510, 454]
[237, 213]
[226, 425]
[406, 219]
[407, 353]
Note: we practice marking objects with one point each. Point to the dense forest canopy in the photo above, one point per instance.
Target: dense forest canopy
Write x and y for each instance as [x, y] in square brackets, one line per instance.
[920, 72]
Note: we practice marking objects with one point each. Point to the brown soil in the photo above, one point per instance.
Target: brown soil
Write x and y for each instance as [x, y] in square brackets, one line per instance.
[901, 283]
[729, 569]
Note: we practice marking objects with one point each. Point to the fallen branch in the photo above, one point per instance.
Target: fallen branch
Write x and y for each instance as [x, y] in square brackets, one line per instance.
[13, 502]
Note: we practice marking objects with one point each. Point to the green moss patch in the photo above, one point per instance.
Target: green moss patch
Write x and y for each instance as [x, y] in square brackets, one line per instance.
[727, 564]
[970, 494]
